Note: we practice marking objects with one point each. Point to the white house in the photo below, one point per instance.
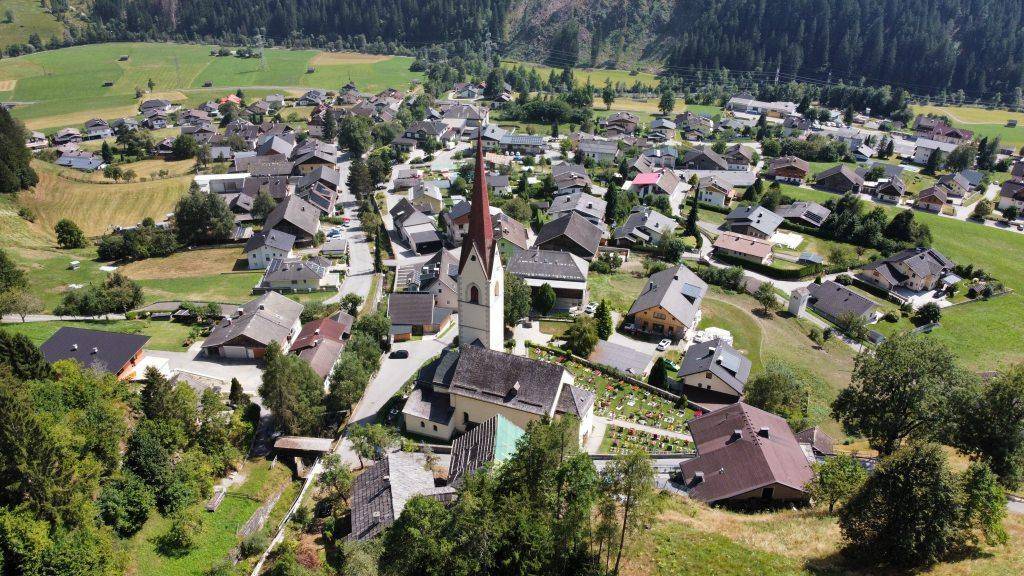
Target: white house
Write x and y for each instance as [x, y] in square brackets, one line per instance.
[263, 248]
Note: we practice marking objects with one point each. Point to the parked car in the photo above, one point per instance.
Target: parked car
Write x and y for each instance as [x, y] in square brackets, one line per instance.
[399, 354]
[664, 344]
[591, 308]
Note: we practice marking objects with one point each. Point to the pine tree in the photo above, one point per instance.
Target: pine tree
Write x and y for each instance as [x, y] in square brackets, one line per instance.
[692, 217]
[19, 355]
[612, 198]
[330, 126]
[604, 321]
[107, 153]
[378, 259]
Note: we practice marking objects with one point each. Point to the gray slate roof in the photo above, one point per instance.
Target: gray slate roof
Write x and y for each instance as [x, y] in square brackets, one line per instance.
[380, 493]
[273, 238]
[833, 299]
[576, 228]
[491, 376]
[297, 212]
[548, 264]
[720, 359]
[108, 350]
[269, 318]
[677, 290]
[757, 217]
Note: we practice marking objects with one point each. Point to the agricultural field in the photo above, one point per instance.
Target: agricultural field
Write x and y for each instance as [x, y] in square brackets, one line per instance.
[690, 539]
[983, 121]
[42, 82]
[596, 76]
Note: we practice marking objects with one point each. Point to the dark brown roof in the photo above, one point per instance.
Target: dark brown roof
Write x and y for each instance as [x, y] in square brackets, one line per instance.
[574, 227]
[506, 379]
[742, 448]
[481, 229]
[817, 439]
[108, 351]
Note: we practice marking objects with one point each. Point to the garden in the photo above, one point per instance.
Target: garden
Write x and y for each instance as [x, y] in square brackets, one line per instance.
[619, 400]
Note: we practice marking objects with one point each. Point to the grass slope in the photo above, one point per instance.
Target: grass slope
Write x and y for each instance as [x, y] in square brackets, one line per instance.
[29, 17]
[984, 122]
[63, 85]
[163, 335]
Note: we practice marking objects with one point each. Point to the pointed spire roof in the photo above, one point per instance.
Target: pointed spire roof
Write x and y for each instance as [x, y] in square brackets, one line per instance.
[481, 230]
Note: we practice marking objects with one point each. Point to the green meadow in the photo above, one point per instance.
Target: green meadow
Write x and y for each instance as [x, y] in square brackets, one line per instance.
[66, 87]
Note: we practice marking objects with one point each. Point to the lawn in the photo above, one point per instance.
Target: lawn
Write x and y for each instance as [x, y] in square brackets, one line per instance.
[219, 536]
[95, 207]
[231, 287]
[691, 539]
[597, 77]
[163, 335]
[618, 289]
[620, 400]
[65, 87]
[189, 263]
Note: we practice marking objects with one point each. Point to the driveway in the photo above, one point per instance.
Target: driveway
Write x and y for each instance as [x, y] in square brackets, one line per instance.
[248, 373]
[389, 380]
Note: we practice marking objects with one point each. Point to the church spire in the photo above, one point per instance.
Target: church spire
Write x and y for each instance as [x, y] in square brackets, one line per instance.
[481, 229]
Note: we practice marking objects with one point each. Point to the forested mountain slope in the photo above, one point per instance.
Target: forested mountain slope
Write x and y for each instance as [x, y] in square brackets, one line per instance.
[926, 46]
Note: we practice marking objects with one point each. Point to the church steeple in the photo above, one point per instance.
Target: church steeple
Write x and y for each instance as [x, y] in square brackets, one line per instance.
[481, 229]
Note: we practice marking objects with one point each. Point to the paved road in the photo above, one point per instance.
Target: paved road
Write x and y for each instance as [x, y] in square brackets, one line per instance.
[389, 380]
[359, 277]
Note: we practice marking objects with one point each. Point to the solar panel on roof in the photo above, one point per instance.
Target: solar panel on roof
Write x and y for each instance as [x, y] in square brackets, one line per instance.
[690, 291]
[729, 361]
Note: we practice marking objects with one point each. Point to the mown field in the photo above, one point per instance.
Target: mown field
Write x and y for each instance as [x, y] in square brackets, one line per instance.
[64, 87]
[691, 539]
[983, 121]
[596, 76]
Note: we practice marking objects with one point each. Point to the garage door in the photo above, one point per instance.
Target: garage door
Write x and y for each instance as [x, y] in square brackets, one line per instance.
[234, 351]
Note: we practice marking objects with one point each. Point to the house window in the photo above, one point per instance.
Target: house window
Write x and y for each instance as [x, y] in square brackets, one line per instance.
[465, 417]
[295, 281]
[435, 427]
[423, 424]
[659, 315]
[767, 493]
[474, 295]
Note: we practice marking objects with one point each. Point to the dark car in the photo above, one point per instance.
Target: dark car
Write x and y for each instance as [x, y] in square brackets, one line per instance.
[399, 354]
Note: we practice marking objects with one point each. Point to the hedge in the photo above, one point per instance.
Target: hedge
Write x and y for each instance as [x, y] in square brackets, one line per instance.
[794, 274]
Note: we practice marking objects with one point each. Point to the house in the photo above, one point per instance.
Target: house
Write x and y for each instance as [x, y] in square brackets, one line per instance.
[97, 128]
[839, 178]
[264, 247]
[157, 105]
[739, 157]
[508, 232]
[570, 178]
[715, 190]
[756, 221]
[427, 198]
[380, 493]
[470, 385]
[80, 160]
[320, 195]
[600, 151]
[660, 157]
[669, 304]
[957, 185]
[662, 130]
[467, 91]
[298, 275]
[892, 190]
[744, 247]
[925, 147]
[625, 359]
[1011, 193]
[296, 217]
[932, 199]
[939, 130]
[833, 301]
[112, 352]
[247, 333]
[36, 141]
[314, 155]
[804, 213]
[644, 225]
[67, 136]
[789, 169]
[565, 272]
[524, 144]
[155, 120]
[619, 123]
[416, 314]
[320, 343]
[817, 445]
[916, 269]
[490, 443]
[746, 104]
[438, 276]
[314, 97]
[662, 181]
[571, 233]
[499, 183]
[695, 126]
[713, 371]
[416, 229]
[590, 207]
[745, 456]
[491, 134]
[704, 158]
[126, 124]
[424, 130]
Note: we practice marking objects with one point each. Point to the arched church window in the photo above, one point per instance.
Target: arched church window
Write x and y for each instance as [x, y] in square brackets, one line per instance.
[474, 295]
[497, 289]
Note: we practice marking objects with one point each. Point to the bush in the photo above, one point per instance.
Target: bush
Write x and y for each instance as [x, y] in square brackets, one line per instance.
[253, 545]
[183, 536]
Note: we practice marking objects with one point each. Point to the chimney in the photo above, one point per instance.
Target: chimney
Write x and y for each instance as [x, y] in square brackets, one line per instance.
[698, 477]
[376, 516]
[763, 432]
[238, 311]
[736, 435]
[317, 331]
[262, 307]
[515, 389]
[74, 346]
[95, 350]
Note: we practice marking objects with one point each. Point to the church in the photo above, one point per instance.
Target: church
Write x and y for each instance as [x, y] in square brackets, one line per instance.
[479, 380]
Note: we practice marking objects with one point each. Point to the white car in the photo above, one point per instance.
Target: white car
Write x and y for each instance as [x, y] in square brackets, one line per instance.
[664, 344]
[591, 308]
